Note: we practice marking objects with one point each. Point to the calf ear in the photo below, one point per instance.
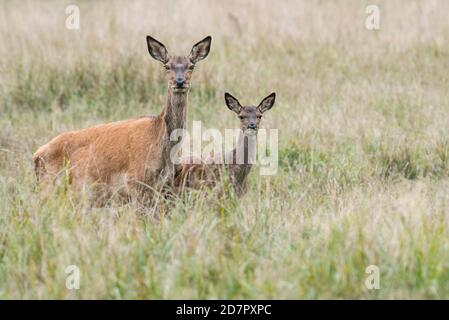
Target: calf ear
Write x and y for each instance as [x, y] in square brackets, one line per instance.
[157, 50]
[267, 103]
[232, 103]
[200, 50]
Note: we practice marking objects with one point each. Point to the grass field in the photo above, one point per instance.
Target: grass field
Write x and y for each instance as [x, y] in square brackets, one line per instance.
[363, 178]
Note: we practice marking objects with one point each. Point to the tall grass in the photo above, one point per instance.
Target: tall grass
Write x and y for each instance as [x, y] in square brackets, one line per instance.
[363, 120]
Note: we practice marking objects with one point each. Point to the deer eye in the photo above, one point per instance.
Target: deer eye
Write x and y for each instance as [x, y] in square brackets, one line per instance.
[241, 117]
[167, 67]
[259, 117]
[192, 67]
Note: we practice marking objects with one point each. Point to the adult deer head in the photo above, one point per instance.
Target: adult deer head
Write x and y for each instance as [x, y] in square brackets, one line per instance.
[179, 68]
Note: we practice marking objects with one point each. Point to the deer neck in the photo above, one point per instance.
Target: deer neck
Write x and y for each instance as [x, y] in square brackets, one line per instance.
[175, 111]
[246, 146]
[174, 114]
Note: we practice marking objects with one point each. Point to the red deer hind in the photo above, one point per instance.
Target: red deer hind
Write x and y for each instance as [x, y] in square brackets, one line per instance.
[133, 154]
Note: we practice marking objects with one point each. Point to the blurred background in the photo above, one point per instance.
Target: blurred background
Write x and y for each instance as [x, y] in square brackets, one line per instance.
[363, 119]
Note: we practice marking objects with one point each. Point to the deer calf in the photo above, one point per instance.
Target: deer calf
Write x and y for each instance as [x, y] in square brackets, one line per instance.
[134, 154]
[208, 174]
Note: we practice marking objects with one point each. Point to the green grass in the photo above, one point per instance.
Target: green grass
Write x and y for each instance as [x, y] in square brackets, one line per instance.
[363, 173]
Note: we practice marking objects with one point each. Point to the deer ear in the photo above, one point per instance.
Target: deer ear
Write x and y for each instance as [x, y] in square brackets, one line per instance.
[267, 103]
[232, 103]
[157, 50]
[200, 50]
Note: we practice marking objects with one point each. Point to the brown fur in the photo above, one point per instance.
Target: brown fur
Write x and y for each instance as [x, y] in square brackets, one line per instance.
[133, 155]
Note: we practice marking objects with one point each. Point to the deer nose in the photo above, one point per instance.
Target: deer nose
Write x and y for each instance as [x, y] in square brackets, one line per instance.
[180, 81]
[252, 126]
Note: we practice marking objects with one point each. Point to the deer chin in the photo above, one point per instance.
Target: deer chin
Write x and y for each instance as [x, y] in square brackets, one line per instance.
[250, 132]
[180, 90]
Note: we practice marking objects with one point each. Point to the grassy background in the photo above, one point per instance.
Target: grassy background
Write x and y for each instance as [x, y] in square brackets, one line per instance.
[364, 149]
